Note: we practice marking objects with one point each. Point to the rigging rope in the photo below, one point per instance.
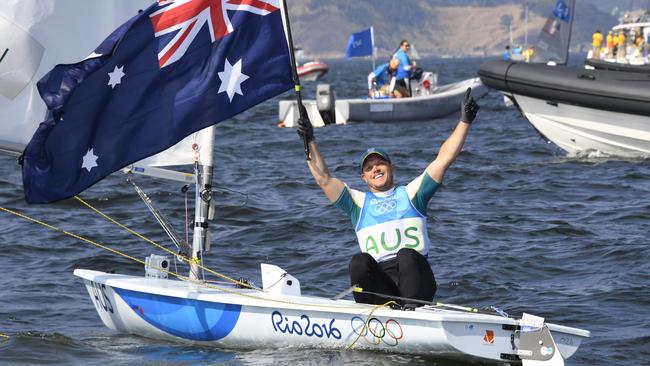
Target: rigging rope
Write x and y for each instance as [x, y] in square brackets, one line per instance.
[185, 258]
[362, 307]
[366, 323]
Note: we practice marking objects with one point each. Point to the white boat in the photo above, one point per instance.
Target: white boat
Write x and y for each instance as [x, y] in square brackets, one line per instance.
[279, 316]
[192, 309]
[429, 101]
[595, 111]
[634, 59]
[582, 111]
[312, 70]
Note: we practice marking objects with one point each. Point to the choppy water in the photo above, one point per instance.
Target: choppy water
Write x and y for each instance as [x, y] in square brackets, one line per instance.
[517, 224]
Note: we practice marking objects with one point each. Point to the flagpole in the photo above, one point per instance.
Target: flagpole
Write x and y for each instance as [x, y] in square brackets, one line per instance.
[296, 80]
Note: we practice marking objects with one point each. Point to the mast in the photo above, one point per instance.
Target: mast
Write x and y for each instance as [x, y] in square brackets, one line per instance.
[372, 45]
[526, 25]
[202, 199]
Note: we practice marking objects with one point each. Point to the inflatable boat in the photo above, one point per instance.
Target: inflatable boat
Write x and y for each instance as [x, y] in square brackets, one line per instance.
[579, 110]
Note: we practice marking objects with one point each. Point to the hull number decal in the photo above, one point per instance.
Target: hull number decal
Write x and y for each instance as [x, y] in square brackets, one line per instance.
[99, 292]
[377, 332]
[304, 326]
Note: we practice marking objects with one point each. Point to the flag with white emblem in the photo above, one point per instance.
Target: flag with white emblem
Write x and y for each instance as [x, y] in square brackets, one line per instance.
[175, 68]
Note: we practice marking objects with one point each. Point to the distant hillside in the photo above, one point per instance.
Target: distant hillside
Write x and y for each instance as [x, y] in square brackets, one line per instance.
[436, 27]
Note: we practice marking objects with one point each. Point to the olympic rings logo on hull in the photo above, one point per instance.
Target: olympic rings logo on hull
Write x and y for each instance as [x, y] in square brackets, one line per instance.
[376, 332]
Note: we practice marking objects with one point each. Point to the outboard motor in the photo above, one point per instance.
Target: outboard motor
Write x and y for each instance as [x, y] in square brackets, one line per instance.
[325, 102]
[426, 85]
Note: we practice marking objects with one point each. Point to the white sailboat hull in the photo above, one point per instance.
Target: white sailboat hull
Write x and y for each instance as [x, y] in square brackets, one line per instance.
[582, 130]
[184, 312]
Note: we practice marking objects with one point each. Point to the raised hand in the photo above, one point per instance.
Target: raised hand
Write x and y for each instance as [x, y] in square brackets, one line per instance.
[305, 130]
[468, 107]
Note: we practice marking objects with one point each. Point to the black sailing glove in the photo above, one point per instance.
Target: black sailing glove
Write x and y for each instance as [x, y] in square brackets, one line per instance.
[468, 107]
[305, 130]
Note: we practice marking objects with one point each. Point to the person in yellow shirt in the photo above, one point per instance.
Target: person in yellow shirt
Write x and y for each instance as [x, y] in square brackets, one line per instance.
[528, 54]
[597, 41]
[610, 44]
[621, 45]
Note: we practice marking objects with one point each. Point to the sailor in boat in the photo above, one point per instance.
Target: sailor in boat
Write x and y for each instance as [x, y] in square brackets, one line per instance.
[506, 53]
[609, 41]
[620, 53]
[381, 82]
[405, 70]
[596, 41]
[390, 221]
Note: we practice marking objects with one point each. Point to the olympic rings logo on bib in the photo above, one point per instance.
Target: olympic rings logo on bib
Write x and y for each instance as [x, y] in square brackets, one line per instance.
[381, 207]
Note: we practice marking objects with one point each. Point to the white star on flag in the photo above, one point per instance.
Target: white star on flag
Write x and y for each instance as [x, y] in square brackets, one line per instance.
[90, 160]
[116, 76]
[231, 79]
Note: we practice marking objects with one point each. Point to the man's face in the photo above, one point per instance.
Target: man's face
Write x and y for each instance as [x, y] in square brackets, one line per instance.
[405, 47]
[377, 173]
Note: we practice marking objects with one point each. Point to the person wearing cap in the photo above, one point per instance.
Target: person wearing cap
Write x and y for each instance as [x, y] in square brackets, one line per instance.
[390, 221]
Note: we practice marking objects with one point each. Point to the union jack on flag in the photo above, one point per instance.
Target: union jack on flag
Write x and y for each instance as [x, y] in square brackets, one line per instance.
[187, 17]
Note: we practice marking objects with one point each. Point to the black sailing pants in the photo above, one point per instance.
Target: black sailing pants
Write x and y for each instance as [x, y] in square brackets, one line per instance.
[407, 275]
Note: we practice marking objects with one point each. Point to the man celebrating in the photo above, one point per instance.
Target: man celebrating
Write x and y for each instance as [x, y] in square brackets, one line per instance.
[390, 221]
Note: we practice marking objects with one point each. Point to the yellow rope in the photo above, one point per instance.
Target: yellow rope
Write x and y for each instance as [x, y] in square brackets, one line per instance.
[4, 336]
[184, 278]
[189, 260]
[365, 324]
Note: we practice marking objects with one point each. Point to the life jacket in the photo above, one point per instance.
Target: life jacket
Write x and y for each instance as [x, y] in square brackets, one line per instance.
[388, 223]
[597, 39]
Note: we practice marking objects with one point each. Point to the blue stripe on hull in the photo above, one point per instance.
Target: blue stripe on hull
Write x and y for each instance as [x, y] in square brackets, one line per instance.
[190, 319]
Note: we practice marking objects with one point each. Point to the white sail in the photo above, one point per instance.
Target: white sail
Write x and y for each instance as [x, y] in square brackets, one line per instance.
[35, 35]
[555, 37]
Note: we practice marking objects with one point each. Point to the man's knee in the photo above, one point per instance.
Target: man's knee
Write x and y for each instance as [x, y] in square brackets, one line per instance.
[408, 254]
[361, 262]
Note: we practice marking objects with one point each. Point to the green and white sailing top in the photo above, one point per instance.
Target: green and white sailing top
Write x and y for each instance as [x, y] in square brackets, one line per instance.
[386, 222]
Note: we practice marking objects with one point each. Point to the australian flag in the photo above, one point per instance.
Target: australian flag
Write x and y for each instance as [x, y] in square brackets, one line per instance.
[175, 68]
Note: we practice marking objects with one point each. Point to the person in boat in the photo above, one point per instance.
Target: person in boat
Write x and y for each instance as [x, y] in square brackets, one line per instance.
[528, 54]
[620, 51]
[382, 81]
[597, 42]
[506, 53]
[406, 66]
[609, 42]
[390, 220]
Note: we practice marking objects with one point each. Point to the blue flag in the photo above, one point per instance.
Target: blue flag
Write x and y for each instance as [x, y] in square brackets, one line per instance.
[175, 68]
[360, 44]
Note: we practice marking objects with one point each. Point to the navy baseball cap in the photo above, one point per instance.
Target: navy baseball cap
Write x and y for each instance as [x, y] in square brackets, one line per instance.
[373, 151]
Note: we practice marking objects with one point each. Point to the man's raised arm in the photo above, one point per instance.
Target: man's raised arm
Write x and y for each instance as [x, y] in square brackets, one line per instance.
[330, 185]
[454, 143]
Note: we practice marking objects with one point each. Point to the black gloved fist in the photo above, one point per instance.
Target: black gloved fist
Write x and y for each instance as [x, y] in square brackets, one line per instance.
[468, 107]
[305, 130]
